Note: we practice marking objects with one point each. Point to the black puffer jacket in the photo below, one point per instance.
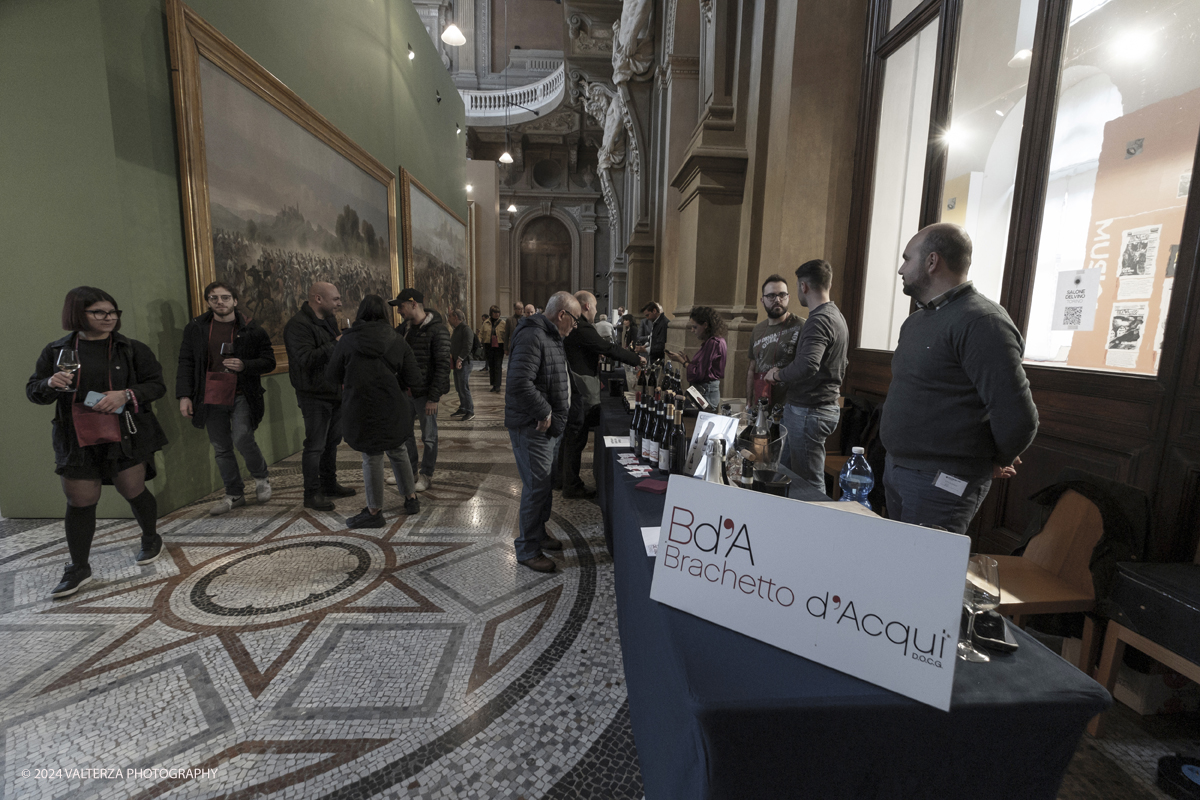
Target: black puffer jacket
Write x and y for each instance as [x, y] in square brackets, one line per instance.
[430, 341]
[250, 343]
[134, 367]
[374, 366]
[538, 382]
[309, 342]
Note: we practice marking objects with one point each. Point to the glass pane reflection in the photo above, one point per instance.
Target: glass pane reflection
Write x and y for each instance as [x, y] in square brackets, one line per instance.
[1120, 170]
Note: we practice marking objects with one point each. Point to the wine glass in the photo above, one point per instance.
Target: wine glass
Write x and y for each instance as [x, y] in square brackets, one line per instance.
[68, 361]
[226, 352]
[980, 593]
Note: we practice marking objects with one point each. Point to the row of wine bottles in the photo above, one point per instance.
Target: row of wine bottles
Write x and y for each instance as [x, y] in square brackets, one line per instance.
[656, 432]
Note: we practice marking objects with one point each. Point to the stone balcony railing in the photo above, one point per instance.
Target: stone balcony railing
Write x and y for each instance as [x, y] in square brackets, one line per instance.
[485, 108]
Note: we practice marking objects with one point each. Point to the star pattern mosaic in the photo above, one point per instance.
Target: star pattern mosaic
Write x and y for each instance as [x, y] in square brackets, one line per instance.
[282, 655]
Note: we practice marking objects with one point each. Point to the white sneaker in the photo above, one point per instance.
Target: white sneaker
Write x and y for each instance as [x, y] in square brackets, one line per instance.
[424, 482]
[390, 479]
[262, 488]
[225, 504]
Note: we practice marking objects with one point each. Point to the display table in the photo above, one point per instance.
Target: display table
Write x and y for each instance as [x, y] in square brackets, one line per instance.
[718, 714]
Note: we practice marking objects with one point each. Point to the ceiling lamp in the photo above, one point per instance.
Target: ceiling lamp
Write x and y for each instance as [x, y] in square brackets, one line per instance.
[505, 158]
[469, 187]
[411, 54]
[1020, 59]
[453, 36]
[512, 208]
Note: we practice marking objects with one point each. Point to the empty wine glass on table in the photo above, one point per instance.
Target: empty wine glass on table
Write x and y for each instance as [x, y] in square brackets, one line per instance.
[226, 352]
[68, 361]
[980, 593]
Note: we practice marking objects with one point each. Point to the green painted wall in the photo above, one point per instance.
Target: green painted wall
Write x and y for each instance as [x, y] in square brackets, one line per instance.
[89, 185]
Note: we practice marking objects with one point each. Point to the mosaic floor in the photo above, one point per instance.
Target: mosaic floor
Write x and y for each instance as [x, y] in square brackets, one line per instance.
[274, 653]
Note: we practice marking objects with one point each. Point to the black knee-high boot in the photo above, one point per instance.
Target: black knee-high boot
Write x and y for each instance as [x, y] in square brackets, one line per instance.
[145, 511]
[81, 527]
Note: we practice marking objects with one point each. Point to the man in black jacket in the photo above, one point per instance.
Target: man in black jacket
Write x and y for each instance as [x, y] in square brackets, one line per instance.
[652, 335]
[309, 338]
[426, 334]
[583, 350]
[536, 399]
[228, 425]
[462, 342]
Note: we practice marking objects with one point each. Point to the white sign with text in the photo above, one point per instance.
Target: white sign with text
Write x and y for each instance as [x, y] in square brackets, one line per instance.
[876, 599]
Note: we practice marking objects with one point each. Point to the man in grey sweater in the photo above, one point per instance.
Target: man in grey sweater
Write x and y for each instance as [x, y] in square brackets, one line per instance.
[959, 411]
[814, 378]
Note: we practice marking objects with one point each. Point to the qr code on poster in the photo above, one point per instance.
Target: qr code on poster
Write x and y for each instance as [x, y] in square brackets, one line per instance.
[1072, 316]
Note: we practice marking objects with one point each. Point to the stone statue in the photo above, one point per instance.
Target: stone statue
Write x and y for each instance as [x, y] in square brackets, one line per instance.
[605, 107]
[633, 41]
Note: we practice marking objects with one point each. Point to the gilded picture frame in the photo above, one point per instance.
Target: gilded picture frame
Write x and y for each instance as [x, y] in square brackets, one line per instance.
[303, 200]
[437, 250]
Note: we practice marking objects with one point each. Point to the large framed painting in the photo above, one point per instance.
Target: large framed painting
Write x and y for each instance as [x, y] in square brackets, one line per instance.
[435, 250]
[275, 197]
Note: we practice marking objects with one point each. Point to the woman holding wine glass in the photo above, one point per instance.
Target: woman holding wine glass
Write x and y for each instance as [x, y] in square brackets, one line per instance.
[102, 384]
[705, 369]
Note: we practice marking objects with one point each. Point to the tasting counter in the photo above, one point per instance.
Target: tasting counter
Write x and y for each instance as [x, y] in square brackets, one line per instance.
[717, 714]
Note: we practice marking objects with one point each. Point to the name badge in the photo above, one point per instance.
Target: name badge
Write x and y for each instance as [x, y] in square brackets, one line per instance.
[951, 484]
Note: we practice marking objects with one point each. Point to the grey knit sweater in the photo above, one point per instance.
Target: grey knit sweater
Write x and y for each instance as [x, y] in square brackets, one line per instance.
[959, 399]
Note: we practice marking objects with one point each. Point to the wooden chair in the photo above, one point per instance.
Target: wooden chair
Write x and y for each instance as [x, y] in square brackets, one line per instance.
[1053, 577]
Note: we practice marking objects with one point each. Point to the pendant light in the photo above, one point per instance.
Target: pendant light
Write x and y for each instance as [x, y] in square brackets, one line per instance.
[506, 157]
[512, 208]
[453, 36]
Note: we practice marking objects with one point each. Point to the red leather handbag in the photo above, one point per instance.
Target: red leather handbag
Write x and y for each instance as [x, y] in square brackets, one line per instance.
[95, 427]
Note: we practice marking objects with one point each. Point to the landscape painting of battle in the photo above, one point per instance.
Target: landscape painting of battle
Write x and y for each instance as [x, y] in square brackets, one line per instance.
[439, 266]
[286, 209]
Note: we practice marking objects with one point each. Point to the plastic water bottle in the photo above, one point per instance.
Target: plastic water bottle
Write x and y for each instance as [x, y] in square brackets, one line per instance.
[856, 479]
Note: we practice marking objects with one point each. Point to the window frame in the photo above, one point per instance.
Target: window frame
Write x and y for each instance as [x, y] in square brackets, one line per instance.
[1030, 188]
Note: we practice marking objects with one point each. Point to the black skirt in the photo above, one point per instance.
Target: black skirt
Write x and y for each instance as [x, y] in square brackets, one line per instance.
[102, 462]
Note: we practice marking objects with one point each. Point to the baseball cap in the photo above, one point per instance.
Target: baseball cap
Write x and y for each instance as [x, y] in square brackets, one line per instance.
[408, 294]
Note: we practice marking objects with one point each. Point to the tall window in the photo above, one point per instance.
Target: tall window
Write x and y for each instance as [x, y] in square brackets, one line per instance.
[983, 138]
[1125, 137]
[899, 177]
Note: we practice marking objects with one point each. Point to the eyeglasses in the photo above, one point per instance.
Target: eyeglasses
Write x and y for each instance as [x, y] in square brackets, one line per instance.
[574, 319]
[220, 298]
[98, 313]
[776, 297]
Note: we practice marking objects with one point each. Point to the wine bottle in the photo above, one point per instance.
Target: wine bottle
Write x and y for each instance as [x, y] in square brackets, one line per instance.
[678, 443]
[634, 440]
[715, 468]
[668, 439]
[654, 437]
[644, 429]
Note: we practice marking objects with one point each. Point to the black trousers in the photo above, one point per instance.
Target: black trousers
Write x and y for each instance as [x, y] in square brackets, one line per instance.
[495, 362]
[322, 433]
[574, 442]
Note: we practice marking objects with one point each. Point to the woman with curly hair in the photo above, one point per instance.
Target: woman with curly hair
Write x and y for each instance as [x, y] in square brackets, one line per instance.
[705, 369]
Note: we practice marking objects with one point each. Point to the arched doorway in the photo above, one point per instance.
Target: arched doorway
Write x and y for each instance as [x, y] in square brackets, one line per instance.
[545, 260]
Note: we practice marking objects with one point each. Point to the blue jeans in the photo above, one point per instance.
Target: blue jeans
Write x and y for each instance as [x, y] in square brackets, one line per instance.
[808, 428]
[534, 452]
[429, 436]
[373, 475]
[228, 428]
[322, 433]
[462, 385]
[912, 498]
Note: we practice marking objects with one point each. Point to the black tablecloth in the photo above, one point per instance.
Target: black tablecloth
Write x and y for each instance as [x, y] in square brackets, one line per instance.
[718, 714]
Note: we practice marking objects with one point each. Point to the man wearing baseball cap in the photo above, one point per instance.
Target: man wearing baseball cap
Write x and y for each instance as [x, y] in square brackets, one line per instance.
[427, 334]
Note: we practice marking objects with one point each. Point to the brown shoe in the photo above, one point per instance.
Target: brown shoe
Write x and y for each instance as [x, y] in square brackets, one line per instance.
[538, 564]
[550, 543]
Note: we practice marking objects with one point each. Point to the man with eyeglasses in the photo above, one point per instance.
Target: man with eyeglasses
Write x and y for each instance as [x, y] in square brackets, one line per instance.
[229, 410]
[537, 397]
[772, 342]
[427, 335]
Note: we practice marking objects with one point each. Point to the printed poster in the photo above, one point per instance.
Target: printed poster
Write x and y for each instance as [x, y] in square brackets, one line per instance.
[1075, 300]
[1126, 328]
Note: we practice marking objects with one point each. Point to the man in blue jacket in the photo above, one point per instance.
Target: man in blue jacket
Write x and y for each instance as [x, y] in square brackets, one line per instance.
[536, 400]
